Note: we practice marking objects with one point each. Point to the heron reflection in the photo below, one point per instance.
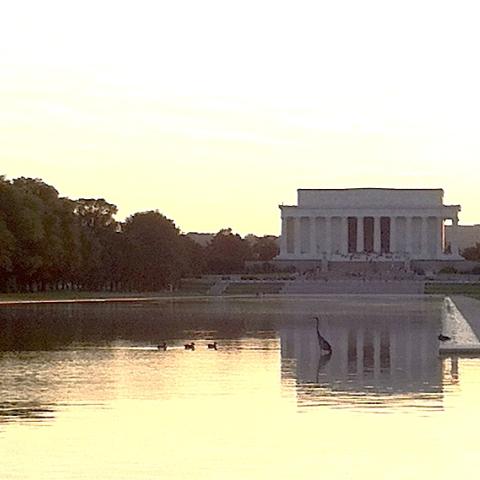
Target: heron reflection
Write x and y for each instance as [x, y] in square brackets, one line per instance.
[325, 347]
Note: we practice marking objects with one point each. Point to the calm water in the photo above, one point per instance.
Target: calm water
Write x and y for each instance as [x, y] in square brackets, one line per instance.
[84, 393]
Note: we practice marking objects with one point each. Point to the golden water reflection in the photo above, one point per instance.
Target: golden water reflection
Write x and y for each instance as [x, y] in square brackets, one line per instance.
[265, 405]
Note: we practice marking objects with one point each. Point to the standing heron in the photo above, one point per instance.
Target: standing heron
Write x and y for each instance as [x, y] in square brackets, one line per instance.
[325, 347]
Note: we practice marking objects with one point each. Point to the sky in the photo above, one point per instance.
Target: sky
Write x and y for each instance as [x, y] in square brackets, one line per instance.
[215, 112]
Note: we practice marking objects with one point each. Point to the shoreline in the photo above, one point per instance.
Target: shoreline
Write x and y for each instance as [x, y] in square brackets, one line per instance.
[93, 299]
[469, 309]
[462, 321]
[176, 296]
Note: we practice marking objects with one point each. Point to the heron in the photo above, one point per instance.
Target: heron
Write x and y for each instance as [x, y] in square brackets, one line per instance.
[324, 345]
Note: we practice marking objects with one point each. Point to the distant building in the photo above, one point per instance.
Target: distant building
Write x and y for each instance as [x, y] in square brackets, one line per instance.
[253, 239]
[467, 235]
[359, 224]
[202, 239]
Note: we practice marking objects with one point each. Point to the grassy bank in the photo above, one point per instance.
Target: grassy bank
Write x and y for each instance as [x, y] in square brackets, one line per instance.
[72, 295]
[187, 287]
[469, 289]
[254, 288]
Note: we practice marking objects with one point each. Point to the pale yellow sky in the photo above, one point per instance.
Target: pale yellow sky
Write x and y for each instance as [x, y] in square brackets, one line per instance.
[215, 112]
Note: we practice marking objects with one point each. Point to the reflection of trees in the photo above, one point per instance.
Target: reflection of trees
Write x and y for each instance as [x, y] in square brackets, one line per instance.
[43, 362]
[34, 384]
[49, 327]
[25, 411]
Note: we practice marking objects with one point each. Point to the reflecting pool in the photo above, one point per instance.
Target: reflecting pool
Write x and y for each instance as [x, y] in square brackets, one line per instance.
[85, 392]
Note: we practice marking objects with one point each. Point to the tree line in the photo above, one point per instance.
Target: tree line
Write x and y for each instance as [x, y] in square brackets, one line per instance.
[472, 253]
[53, 242]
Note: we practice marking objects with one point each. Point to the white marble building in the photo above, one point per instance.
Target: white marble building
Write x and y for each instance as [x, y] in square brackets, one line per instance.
[365, 223]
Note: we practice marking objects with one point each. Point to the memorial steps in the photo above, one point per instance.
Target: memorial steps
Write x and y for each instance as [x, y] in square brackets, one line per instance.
[354, 286]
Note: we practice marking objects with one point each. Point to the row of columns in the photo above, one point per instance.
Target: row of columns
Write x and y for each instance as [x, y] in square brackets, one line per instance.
[360, 247]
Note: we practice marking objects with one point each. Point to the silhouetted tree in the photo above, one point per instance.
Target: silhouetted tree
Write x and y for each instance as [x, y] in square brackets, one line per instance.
[265, 248]
[97, 231]
[193, 255]
[472, 253]
[153, 251]
[50, 242]
[227, 252]
[96, 212]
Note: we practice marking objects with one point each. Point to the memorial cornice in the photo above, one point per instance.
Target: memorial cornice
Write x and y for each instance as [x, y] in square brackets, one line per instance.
[447, 211]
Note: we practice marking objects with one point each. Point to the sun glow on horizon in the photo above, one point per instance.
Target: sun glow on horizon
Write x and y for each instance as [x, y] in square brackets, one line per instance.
[215, 113]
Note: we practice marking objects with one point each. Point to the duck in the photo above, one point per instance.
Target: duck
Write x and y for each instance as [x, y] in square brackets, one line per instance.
[190, 346]
[443, 338]
[162, 346]
[212, 346]
[325, 347]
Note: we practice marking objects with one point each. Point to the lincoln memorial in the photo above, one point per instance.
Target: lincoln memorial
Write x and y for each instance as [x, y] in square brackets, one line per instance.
[359, 224]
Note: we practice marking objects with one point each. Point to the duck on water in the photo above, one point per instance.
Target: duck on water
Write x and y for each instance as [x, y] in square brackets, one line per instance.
[189, 346]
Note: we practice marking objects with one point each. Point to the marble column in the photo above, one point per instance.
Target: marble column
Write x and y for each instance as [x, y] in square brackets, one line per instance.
[328, 235]
[344, 236]
[283, 237]
[439, 237]
[424, 238]
[297, 236]
[454, 237]
[408, 239]
[360, 244]
[313, 237]
[393, 234]
[376, 235]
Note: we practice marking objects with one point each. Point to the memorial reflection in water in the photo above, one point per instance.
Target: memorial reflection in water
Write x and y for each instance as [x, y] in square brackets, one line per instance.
[375, 361]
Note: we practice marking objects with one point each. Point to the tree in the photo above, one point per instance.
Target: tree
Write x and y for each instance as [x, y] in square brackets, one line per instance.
[96, 212]
[193, 255]
[49, 211]
[227, 252]
[24, 218]
[472, 253]
[265, 248]
[7, 248]
[97, 233]
[50, 242]
[154, 250]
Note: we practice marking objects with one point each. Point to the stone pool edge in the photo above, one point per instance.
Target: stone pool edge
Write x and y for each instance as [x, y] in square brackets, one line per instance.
[469, 311]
